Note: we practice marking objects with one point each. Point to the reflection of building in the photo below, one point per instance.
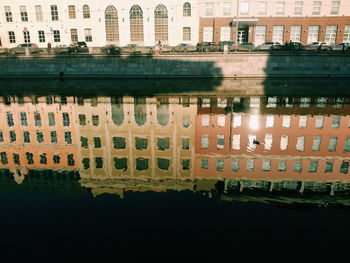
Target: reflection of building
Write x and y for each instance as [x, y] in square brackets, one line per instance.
[279, 21]
[37, 133]
[136, 137]
[263, 144]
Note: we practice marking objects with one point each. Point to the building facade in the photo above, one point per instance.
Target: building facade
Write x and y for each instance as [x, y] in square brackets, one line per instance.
[275, 20]
[98, 22]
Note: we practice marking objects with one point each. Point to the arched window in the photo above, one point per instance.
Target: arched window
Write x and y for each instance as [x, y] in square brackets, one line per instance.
[86, 11]
[163, 112]
[136, 23]
[187, 9]
[161, 23]
[111, 23]
[140, 111]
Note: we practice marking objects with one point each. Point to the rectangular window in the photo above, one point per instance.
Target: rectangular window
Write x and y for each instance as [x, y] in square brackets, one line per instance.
[250, 165]
[332, 143]
[12, 37]
[86, 163]
[84, 142]
[319, 121]
[221, 120]
[251, 140]
[74, 35]
[316, 8]
[226, 10]
[284, 143]
[270, 120]
[24, 121]
[338, 103]
[208, 34]
[302, 121]
[68, 137]
[205, 141]
[209, 9]
[3, 158]
[225, 33]
[282, 166]
[29, 157]
[95, 120]
[316, 144]
[185, 121]
[244, 8]
[53, 135]
[204, 164]
[295, 33]
[298, 167]
[237, 120]
[56, 158]
[277, 35]
[220, 141]
[236, 142]
[37, 119]
[260, 34]
[65, 118]
[54, 13]
[141, 164]
[88, 34]
[344, 167]
[16, 159]
[219, 165]
[43, 159]
[335, 122]
[1, 136]
[205, 120]
[305, 102]
[185, 143]
[262, 8]
[24, 14]
[119, 142]
[235, 165]
[39, 13]
[346, 34]
[39, 136]
[335, 7]
[313, 166]
[121, 163]
[300, 143]
[222, 103]
[163, 144]
[52, 121]
[82, 119]
[185, 164]
[254, 102]
[13, 136]
[10, 122]
[280, 8]
[286, 121]
[41, 35]
[186, 34]
[8, 14]
[347, 145]
[268, 142]
[26, 36]
[141, 143]
[331, 34]
[26, 137]
[271, 102]
[70, 159]
[56, 36]
[313, 33]
[298, 8]
[266, 166]
[329, 167]
[71, 12]
[205, 102]
[97, 142]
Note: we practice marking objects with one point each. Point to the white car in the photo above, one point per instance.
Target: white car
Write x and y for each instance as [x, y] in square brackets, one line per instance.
[269, 46]
[314, 46]
[342, 47]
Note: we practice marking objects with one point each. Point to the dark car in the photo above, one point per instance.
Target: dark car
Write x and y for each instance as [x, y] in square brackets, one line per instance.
[78, 47]
[293, 46]
[110, 49]
[21, 48]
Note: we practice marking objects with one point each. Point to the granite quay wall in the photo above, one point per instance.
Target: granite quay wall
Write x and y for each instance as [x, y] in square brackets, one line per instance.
[230, 66]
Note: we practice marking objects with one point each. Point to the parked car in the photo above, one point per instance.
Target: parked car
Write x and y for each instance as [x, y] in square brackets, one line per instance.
[21, 48]
[207, 47]
[245, 47]
[78, 47]
[3, 51]
[345, 47]
[184, 47]
[292, 46]
[269, 46]
[130, 48]
[317, 46]
[62, 49]
[110, 49]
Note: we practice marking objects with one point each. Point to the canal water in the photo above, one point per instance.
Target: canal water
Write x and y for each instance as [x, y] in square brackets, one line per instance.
[221, 171]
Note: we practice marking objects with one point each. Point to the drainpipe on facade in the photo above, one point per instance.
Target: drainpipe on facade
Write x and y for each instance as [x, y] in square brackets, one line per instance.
[236, 26]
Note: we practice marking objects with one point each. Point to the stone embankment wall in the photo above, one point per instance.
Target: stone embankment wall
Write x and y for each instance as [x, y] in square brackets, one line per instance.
[232, 65]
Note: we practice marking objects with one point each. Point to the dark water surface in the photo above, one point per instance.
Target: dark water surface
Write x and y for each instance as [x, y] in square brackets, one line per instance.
[223, 170]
